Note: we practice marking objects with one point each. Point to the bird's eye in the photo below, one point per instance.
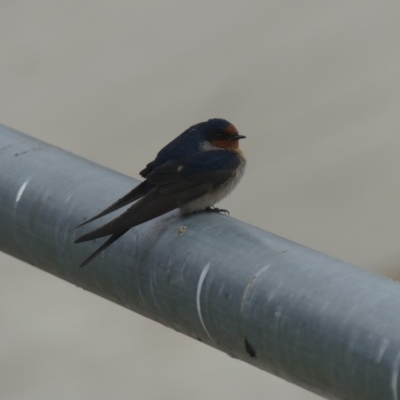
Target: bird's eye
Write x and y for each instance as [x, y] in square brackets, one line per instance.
[219, 134]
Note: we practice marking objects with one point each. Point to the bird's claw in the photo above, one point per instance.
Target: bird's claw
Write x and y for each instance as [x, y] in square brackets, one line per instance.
[217, 210]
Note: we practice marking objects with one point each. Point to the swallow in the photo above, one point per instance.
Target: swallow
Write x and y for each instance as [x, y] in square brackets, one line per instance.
[193, 172]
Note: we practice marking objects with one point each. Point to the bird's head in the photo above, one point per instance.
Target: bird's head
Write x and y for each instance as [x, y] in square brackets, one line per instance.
[219, 133]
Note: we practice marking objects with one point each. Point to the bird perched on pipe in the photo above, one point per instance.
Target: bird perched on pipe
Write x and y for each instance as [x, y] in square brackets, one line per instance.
[193, 172]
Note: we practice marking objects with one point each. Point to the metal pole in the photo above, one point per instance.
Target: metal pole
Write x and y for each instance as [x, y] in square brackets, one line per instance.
[311, 319]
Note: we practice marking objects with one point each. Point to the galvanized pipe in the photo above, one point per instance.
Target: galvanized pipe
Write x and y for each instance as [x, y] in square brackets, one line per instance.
[313, 320]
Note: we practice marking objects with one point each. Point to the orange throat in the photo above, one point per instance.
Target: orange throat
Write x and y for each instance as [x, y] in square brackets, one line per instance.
[226, 144]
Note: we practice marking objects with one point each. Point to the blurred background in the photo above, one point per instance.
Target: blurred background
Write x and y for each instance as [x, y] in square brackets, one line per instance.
[313, 85]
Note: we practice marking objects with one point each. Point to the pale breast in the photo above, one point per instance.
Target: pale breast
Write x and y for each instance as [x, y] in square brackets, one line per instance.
[215, 196]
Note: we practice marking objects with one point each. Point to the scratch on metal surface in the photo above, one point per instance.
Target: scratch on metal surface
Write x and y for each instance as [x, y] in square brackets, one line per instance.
[21, 190]
[383, 348]
[40, 147]
[141, 297]
[395, 376]
[198, 302]
[5, 148]
[153, 280]
[250, 284]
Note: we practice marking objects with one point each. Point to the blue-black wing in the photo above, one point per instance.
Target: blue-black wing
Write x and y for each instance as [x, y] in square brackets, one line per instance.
[173, 184]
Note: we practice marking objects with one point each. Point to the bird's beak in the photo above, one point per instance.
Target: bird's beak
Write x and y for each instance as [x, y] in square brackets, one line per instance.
[237, 137]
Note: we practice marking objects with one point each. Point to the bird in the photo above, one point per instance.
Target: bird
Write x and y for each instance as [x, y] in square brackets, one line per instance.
[193, 172]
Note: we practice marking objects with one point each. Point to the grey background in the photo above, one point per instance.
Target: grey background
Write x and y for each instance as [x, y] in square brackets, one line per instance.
[314, 85]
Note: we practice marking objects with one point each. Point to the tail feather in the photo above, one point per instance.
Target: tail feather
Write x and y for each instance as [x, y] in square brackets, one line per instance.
[135, 194]
[107, 243]
[151, 206]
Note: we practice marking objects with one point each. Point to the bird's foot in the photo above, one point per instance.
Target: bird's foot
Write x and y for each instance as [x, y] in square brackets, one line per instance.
[217, 210]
